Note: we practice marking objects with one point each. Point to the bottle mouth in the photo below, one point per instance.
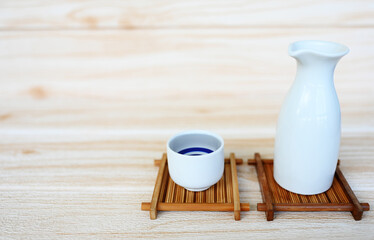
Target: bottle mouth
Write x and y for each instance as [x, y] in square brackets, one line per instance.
[323, 48]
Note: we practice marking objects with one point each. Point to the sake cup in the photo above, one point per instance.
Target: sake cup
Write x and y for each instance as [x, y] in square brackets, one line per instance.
[195, 159]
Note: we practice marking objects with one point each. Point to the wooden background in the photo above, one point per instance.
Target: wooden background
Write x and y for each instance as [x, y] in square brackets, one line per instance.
[90, 91]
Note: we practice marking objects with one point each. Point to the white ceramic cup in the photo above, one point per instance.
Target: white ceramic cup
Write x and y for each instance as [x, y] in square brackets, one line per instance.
[196, 159]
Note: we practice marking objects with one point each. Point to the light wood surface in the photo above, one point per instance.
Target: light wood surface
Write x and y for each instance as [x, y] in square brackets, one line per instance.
[169, 79]
[61, 14]
[90, 92]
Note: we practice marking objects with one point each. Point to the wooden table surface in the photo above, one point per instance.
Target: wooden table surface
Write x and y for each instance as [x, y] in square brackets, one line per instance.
[90, 92]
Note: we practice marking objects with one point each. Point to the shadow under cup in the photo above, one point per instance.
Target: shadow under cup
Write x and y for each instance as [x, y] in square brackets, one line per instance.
[196, 159]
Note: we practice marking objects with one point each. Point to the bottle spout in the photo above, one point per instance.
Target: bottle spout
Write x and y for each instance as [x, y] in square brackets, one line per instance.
[322, 49]
[316, 59]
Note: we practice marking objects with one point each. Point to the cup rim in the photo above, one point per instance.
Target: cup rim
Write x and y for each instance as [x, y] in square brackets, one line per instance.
[203, 132]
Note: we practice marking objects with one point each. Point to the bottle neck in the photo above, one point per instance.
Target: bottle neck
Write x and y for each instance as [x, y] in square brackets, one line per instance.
[317, 72]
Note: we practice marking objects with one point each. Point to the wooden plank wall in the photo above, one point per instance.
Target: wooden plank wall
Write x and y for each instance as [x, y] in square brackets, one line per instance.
[145, 65]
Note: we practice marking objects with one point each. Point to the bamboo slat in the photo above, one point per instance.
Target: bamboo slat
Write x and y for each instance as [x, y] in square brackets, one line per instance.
[357, 209]
[272, 183]
[264, 186]
[190, 196]
[223, 196]
[235, 187]
[339, 197]
[210, 195]
[170, 191]
[223, 207]
[313, 207]
[340, 191]
[228, 178]
[200, 197]
[156, 192]
[164, 184]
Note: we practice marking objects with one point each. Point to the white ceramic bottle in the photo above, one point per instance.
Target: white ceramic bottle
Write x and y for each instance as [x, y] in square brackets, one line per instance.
[308, 131]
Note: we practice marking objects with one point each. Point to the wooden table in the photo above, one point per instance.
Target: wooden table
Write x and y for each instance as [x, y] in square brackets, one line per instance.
[90, 92]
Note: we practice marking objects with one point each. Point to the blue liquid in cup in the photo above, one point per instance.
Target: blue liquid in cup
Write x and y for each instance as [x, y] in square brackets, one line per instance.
[195, 151]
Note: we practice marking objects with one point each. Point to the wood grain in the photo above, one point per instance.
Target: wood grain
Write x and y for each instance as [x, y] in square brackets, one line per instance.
[91, 91]
[91, 184]
[170, 80]
[111, 14]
